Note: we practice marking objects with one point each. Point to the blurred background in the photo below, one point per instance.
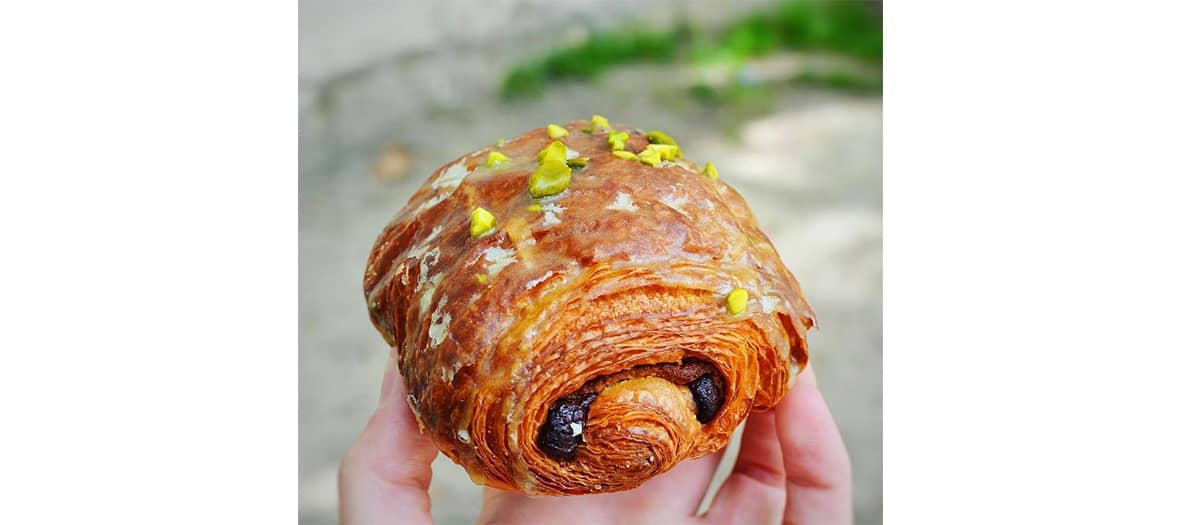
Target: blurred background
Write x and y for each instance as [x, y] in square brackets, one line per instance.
[783, 97]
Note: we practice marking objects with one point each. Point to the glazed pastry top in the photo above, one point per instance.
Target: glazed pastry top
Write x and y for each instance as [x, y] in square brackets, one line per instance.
[505, 284]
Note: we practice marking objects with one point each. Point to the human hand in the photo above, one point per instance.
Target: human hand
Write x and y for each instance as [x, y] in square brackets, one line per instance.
[792, 469]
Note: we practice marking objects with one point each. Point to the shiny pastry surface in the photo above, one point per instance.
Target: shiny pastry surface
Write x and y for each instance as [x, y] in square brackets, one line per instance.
[580, 308]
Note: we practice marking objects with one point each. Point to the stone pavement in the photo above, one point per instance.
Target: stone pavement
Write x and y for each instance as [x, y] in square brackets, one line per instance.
[371, 74]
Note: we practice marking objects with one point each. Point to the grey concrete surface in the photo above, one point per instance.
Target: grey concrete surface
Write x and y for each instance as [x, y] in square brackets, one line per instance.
[375, 73]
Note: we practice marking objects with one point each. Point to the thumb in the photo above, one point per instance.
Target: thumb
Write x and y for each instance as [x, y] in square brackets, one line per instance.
[386, 474]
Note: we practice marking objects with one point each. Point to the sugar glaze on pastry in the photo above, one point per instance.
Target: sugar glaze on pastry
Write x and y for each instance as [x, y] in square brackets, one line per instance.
[578, 309]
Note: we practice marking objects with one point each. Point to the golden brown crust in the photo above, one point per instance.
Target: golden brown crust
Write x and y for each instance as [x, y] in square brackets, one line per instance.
[629, 266]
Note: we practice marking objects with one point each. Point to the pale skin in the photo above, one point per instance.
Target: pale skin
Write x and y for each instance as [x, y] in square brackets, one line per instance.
[792, 469]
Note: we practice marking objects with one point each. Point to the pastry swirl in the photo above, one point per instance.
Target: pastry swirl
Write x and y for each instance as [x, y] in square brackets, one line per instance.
[627, 318]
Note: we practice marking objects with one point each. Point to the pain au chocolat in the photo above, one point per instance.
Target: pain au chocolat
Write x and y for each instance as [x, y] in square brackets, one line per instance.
[578, 309]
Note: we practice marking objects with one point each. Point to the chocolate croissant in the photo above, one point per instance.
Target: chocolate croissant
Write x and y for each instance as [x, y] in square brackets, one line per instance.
[578, 309]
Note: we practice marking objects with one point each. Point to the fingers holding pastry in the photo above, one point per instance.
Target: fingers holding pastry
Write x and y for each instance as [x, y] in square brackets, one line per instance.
[387, 470]
[819, 473]
[792, 464]
[755, 491]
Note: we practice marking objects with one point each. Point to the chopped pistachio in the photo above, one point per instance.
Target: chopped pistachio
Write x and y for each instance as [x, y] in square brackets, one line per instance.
[482, 221]
[667, 151]
[625, 155]
[617, 140]
[577, 162]
[650, 157]
[495, 158]
[556, 132]
[500, 143]
[535, 207]
[554, 151]
[598, 123]
[710, 171]
[659, 137]
[550, 178]
[481, 278]
[736, 301]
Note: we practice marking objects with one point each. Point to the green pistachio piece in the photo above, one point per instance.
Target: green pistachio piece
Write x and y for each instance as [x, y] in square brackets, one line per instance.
[659, 137]
[535, 207]
[735, 302]
[617, 140]
[577, 162]
[556, 132]
[667, 151]
[650, 157]
[481, 278]
[710, 171]
[625, 155]
[554, 151]
[598, 123]
[482, 221]
[550, 178]
[495, 158]
[500, 143]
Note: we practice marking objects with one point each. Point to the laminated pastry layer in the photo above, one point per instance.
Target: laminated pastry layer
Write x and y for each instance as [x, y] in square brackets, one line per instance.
[618, 289]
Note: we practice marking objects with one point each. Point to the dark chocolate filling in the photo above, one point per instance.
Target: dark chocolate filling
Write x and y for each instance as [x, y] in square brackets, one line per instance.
[707, 396]
[558, 438]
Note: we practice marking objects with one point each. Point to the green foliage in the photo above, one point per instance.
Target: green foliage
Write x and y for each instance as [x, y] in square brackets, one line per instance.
[843, 26]
[840, 80]
[587, 60]
[847, 27]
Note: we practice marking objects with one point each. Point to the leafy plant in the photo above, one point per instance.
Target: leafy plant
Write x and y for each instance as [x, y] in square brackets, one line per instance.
[848, 27]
